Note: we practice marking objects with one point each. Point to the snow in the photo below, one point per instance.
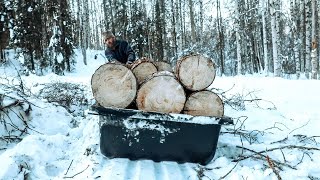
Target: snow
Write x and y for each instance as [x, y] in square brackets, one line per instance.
[277, 113]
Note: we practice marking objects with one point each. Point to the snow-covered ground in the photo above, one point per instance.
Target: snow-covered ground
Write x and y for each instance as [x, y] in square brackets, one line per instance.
[276, 126]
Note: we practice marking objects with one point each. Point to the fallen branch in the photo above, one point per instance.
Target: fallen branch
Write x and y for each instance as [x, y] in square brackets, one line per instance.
[77, 173]
[271, 165]
[223, 177]
[15, 103]
[273, 149]
[264, 157]
[200, 171]
[300, 127]
[69, 167]
[10, 138]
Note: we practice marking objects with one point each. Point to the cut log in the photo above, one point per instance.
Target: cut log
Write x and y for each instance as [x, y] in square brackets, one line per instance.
[204, 103]
[163, 66]
[195, 72]
[161, 93]
[114, 85]
[142, 69]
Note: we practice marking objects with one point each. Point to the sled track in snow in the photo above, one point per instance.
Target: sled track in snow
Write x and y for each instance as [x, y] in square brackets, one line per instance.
[125, 169]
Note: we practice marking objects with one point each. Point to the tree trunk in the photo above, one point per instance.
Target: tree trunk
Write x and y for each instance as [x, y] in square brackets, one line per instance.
[314, 58]
[159, 33]
[161, 93]
[201, 11]
[265, 40]
[204, 103]
[192, 23]
[86, 31]
[238, 40]
[221, 38]
[174, 31]
[302, 36]
[277, 67]
[195, 72]
[142, 69]
[308, 39]
[318, 38]
[163, 66]
[295, 34]
[114, 85]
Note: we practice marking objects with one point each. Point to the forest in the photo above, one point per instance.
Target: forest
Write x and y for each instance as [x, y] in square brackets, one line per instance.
[272, 37]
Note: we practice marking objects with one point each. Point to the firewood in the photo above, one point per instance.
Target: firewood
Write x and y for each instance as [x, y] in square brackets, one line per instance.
[204, 103]
[114, 85]
[195, 72]
[161, 93]
[163, 66]
[142, 69]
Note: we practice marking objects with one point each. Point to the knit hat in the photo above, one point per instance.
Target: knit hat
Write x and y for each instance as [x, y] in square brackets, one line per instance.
[108, 35]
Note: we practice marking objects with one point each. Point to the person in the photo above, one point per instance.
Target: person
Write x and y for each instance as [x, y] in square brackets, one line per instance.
[119, 50]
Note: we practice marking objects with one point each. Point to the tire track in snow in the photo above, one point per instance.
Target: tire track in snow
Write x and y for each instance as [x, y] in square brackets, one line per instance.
[160, 171]
[133, 170]
[147, 170]
[187, 170]
[172, 170]
[115, 170]
[125, 169]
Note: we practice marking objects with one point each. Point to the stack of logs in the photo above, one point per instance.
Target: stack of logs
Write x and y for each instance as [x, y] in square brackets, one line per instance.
[155, 86]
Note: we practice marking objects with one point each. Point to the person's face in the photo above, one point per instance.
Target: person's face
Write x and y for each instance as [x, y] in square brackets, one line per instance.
[110, 42]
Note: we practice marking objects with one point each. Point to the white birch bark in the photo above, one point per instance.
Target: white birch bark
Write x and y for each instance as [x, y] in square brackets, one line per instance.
[314, 60]
[294, 15]
[239, 64]
[265, 43]
[276, 64]
[86, 30]
[318, 38]
[302, 24]
[308, 38]
[277, 9]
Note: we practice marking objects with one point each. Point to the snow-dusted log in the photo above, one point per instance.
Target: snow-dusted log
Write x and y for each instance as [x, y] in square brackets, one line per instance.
[195, 72]
[114, 85]
[161, 93]
[204, 103]
[142, 69]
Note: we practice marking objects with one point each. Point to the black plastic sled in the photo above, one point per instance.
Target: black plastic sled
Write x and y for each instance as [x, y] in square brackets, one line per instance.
[134, 134]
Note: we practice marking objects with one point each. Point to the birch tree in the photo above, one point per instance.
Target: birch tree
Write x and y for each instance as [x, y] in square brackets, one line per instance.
[237, 22]
[264, 35]
[318, 38]
[314, 59]
[173, 29]
[294, 7]
[302, 36]
[276, 64]
[308, 37]
[85, 30]
[220, 38]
